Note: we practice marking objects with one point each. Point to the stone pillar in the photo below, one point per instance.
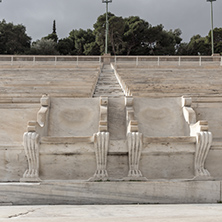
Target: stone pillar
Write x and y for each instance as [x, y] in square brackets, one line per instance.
[106, 59]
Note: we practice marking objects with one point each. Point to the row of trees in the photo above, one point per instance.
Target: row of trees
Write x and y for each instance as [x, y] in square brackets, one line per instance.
[127, 36]
[202, 45]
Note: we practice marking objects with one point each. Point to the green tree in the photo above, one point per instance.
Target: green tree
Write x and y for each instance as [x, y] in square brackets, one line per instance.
[167, 42]
[44, 47]
[198, 46]
[100, 30]
[54, 27]
[53, 35]
[91, 49]
[154, 33]
[135, 35]
[182, 49]
[116, 32]
[80, 38]
[13, 39]
[217, 40]
[65, 46]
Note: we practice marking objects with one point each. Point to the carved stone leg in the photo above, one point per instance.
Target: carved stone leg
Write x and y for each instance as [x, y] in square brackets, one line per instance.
[31, 146]
[134, 142]
[101, 144]
[204, 141]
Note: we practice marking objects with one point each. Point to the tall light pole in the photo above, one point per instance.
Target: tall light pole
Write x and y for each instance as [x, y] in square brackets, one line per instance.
[212, 25]
[107, 24]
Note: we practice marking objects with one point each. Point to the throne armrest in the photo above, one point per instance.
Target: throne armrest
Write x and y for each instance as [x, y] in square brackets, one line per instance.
[132, 123]
[199, 129]
[190, 117]
[40, 126]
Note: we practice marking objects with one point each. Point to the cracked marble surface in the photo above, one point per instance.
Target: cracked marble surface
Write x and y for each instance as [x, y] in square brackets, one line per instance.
[117, 213]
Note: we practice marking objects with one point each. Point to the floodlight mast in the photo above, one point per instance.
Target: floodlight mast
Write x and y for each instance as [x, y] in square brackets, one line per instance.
[212, 26]
[107, 24]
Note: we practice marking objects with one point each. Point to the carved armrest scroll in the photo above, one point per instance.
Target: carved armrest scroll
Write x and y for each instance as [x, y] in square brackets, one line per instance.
[31, 140]
[134, 142]
[103, 122]
[41, 125]
[101, 143]
[132, 123]
[203, 137]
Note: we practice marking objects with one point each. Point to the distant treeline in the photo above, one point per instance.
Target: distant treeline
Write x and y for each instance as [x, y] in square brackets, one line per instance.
[127, 36]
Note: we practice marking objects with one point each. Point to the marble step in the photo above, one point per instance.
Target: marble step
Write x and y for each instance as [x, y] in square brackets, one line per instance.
[110, 192]
[109, 95]
[108, 91]
[107, 84]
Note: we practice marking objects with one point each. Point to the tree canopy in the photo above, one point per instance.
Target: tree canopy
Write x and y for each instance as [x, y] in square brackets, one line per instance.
[217, 39]
[199, 45]
[53, 35]
[44, 47]
[135, 36]
[13, 39]
[127, 36]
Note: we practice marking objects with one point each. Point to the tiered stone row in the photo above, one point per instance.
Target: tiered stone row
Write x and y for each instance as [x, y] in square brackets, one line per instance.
[20, 84]
[171, 82]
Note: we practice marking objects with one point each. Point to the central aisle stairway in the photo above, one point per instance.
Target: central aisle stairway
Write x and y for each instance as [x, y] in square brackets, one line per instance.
[107, 84]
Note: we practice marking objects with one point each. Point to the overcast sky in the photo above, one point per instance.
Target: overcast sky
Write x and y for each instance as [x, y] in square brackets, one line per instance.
[191, 16]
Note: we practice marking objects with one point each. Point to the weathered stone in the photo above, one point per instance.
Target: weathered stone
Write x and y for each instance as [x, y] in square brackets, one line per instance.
[138, 129]
[78, 192]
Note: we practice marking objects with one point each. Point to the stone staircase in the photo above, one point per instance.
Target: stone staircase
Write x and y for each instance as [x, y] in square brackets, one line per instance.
[107, 84]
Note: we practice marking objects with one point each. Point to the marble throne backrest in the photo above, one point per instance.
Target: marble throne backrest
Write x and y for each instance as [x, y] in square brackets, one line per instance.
[160, 117]
[70, 117]
[14, 118]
